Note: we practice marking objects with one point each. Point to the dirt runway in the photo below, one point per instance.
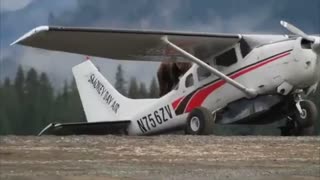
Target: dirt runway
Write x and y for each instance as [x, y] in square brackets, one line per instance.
[159, 157]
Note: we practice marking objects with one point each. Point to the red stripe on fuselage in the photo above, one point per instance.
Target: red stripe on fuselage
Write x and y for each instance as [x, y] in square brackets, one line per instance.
[203, 93]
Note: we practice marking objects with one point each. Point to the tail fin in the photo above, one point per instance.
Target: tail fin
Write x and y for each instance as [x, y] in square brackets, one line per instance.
[100, 100]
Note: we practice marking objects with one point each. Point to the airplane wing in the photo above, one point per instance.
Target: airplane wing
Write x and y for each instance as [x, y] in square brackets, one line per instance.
[125, 44]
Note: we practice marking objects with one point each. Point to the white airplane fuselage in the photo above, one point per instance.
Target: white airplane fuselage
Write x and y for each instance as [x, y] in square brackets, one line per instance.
[266, 69]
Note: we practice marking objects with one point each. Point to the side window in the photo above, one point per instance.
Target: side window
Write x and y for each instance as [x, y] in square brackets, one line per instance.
[244, 48]
[177, 86]
[189, 80]
[227, 58]
[203, 73]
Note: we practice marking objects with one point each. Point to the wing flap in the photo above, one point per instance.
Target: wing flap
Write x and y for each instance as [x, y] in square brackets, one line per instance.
[125, 44]
[93, 128]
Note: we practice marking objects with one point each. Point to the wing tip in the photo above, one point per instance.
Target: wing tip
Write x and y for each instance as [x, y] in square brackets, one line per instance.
[284, 23]
[30, 33]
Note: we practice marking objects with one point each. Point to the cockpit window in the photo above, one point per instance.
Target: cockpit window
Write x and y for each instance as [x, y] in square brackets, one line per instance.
[189, 80]
[203, 73]
[227, 58]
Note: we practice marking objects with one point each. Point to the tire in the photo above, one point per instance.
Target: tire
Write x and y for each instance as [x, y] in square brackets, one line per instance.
[199, 122]
[310, 114]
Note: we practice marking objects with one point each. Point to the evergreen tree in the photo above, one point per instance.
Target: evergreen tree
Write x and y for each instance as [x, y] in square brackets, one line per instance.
[19, 86]
[65, 92]
[5, 124]
[143, 93]
[133, 89]
[7, 107]
[30, 118]
[44, 101]
[60, 105]
[57, 110]
[29, 104]
[19, 82]
[12, 111]
[75, 107]
[120, 81]
[153, 89]
[3, 115]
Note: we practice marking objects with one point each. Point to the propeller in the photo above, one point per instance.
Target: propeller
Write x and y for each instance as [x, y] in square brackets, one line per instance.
[313, 39]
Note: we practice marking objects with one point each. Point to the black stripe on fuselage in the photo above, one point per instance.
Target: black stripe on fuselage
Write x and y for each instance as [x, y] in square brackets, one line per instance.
[184, 103]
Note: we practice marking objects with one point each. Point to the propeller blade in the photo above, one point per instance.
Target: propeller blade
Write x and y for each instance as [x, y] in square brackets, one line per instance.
[312, 89]
[296, 30]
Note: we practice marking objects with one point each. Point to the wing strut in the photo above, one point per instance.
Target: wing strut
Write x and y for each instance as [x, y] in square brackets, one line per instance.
[249, 92]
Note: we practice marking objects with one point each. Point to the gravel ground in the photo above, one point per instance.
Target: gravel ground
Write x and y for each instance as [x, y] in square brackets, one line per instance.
[159, 157]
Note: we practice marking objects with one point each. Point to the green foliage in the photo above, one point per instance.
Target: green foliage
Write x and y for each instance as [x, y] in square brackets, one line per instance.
[143, 93]
[133, 91]
[19, 82]
[139, 90]
[120, 81]
[29, 103]
[154, 89]
[7, 104]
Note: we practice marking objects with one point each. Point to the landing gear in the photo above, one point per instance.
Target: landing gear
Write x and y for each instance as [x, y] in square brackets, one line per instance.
[200, 121]
[307, 114]
[301, 121]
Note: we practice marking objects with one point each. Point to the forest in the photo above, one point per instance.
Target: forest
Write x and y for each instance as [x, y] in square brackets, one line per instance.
[29, 102]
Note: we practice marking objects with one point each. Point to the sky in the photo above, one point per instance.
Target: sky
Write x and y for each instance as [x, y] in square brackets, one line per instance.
[14, 5]
[229, 16]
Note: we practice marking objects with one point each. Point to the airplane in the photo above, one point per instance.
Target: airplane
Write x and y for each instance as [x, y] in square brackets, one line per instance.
[234, 79]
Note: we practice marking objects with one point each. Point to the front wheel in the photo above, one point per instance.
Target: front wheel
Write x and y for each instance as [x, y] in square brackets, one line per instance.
[199, 122]
[308, 116]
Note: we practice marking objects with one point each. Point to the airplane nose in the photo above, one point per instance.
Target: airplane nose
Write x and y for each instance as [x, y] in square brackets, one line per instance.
[314, 41]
